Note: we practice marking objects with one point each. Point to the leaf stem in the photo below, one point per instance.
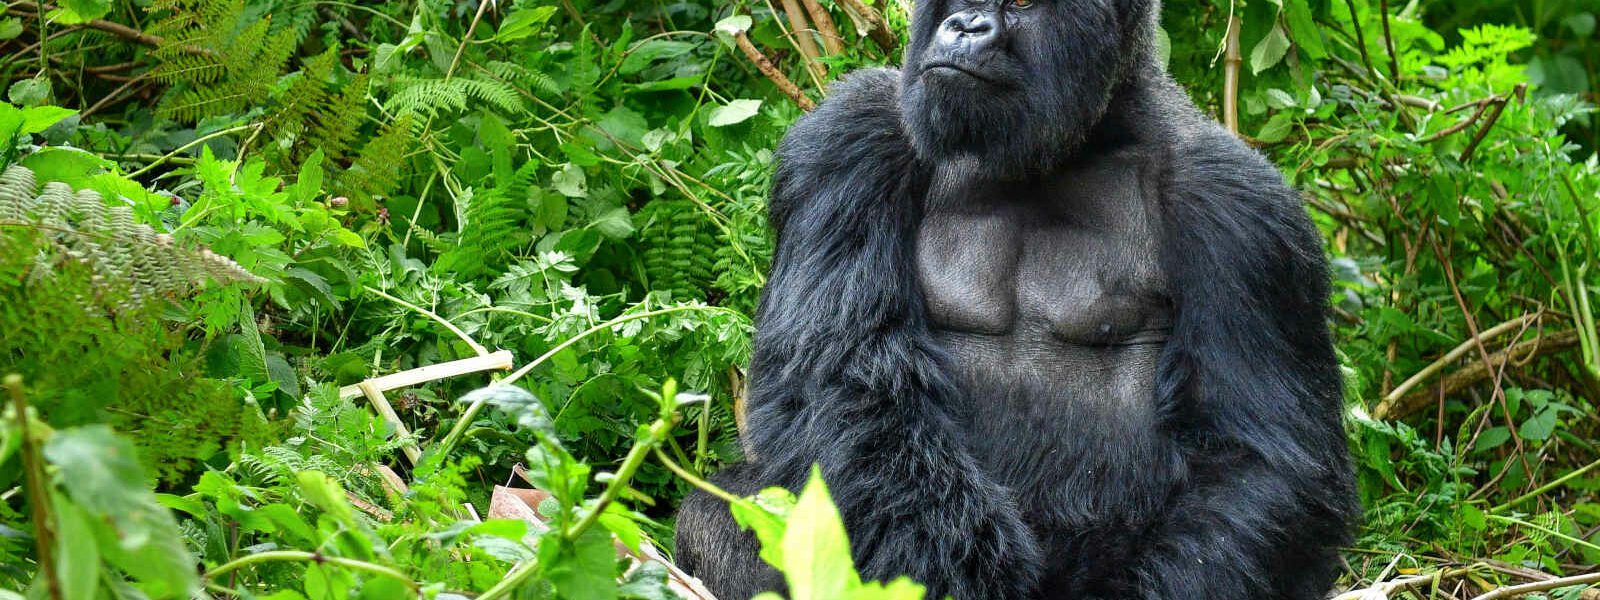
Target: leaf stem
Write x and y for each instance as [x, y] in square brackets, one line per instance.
[312, 557]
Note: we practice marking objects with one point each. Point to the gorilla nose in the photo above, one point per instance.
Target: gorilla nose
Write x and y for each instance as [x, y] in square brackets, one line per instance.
[968, 32]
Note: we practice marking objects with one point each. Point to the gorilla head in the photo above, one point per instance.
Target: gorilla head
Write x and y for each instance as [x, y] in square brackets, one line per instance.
[1015, 86]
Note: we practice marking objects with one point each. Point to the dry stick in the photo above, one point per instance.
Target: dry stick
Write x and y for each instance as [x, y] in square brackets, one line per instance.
[1452, 356]
[825, 27]
[38, 494]
[802, 38]
[500, 360]
[387, 412]
[1388, 41]
[1540, 586]
[777, 77]
[877, 29]
[1476, 372]
[1361, 38]
[116, 29]
[1499, 393]
[1462, 125]
[1494, 117]
[1232, 63]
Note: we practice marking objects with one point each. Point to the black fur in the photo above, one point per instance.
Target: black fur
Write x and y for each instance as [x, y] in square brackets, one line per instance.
[1246, 490]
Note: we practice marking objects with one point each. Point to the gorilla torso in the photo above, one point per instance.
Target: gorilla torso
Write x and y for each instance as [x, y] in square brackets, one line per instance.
[1050, 299]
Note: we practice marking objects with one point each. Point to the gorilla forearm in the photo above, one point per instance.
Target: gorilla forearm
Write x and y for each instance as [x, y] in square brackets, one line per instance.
[1253, 534]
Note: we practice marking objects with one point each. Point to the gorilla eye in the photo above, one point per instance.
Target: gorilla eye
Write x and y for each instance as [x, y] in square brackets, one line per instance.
[1022, 3]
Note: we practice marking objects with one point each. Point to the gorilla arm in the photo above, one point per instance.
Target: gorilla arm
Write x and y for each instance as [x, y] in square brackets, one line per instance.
[1249, 370]
[845, 372]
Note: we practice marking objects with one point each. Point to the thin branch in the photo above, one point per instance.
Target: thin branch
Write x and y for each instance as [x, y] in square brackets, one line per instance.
[1233, 62]
[825, 27]
[1388, 41]
[116, 29]
[1449, 358]
[1494, 117]
[802, 38]
[777, 77]
[877, 29]
[1477, 372]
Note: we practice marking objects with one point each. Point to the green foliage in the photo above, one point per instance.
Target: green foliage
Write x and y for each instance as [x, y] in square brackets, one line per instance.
[583, 184]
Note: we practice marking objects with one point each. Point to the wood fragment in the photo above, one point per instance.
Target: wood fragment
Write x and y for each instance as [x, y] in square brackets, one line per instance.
[801, 28]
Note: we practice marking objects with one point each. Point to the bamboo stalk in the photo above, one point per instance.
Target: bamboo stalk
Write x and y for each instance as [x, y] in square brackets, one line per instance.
[500, 360]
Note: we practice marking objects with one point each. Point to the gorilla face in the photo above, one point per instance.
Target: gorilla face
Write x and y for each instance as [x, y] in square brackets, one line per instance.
[1014, 86]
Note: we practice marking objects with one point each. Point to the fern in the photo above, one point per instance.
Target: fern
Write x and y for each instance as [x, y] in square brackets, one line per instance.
[121, 253]
[377, 171]
[678, 245]
[214, 65]
[432, 97]
[490, 227]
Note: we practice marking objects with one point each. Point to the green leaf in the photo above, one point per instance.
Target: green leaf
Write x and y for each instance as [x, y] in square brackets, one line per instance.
[733, 25]
[737, 111]
[1492, 438]
[523, 23]
[100, 473]
[29, 92]
[1277, 128]
[83, 11]
[10, 28]
[816, 553]
[40, 118]
[1307, 36]
[649, 51]
[585, 569]
[77, 552]
[1540, 426]
[1269, 51]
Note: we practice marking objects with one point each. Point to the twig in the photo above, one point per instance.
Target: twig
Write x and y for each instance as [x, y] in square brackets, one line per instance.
[877, 29]
[1450, 357]
[802, 38]
[312, 557]
[478, 16]
[385, 410]
[1388, 41]
[777, 77]
[476, 347]
[1546, 487]
[825, 27]
[1477, 371]
[38, 495]
[1494, 117]
[1232, 63]
[501, 360]
[1361, 38]
[116, 29]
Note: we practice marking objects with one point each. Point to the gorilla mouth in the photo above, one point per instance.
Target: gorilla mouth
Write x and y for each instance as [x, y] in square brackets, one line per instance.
[947, 66]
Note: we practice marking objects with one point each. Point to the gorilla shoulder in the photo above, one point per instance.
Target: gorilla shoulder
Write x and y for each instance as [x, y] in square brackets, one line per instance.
[854, 139]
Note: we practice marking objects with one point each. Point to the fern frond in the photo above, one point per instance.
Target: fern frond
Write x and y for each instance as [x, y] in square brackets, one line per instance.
[119, 251]
[434, 96]
[377, 170]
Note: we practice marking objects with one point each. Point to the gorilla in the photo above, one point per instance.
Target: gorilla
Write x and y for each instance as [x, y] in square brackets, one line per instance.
[1048, 330]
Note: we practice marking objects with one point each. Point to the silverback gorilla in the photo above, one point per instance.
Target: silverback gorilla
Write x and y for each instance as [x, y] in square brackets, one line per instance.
[1049, 331]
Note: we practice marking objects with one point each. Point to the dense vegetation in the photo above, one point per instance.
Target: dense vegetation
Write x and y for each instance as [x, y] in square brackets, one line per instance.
[214, 213]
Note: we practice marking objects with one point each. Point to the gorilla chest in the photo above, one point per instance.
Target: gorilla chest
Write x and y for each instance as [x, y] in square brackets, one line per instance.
[1058, 276]
[1054, 307]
